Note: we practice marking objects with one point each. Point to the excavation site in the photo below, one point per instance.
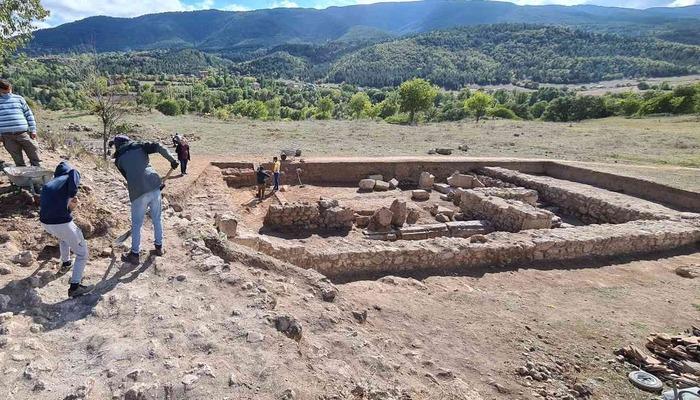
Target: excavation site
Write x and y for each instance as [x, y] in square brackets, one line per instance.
[355, 218]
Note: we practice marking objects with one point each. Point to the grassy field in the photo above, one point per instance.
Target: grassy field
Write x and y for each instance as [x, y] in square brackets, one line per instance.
[672, 142]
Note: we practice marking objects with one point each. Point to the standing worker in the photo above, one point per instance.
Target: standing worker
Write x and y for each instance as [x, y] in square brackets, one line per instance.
[276, 166]
[17, 126]
[58, 200]
[182, 148]
[144, 184]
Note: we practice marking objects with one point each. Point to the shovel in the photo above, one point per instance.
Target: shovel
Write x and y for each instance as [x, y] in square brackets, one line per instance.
[122, 238]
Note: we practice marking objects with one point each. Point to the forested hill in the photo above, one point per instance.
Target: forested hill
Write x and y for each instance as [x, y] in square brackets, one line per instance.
[513, 52]
[232, 32]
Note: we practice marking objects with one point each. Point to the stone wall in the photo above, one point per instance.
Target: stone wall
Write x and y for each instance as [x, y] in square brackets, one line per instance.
[344, 260]
[349, 171]
[527, 196]
[588, 203]
[302, 216]
[504, 214]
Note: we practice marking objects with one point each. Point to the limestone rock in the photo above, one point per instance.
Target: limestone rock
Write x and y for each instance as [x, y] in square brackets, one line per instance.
[442, 218]
[442, 187]
[362, 221]
[412, 216]
[381, 220]
[420, 195]
[381, 186]
[367, 184]
[394, 183]
[326, 203]
[227, 224]
[25, 258]
[426, 181]
[400, 212]
[463, 181]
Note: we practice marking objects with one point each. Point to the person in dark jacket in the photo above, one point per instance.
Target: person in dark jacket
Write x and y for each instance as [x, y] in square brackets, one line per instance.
[144, 184]
[58, 199]
[261, 177]
[183, 154]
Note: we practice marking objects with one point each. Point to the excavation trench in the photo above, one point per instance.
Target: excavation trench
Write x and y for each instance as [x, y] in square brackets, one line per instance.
[595, 217]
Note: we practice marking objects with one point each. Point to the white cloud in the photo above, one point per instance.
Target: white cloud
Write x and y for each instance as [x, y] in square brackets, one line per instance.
[684, 3]
[284, 4]
[233, 7]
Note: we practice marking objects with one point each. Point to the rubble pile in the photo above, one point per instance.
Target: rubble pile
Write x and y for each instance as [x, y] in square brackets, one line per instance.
[675, 358]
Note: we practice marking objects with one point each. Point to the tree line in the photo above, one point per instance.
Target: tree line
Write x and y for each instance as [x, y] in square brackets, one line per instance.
[56, 85]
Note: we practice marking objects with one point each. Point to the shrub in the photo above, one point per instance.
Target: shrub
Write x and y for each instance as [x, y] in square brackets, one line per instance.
[169, 107]
[502, 112]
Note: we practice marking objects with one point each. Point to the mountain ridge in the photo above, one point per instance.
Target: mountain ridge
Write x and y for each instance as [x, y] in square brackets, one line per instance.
[216, 30]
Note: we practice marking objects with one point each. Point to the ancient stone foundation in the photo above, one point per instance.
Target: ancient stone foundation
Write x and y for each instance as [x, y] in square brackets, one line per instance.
[323, 215]
[505, 217]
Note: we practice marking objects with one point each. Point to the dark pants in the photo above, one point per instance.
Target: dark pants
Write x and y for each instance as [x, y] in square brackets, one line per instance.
[261, 191]
[15, 143]
[183, 166]
[277, 180]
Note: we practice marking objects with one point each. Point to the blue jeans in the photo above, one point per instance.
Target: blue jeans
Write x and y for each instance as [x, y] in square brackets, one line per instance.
[150, 200]
[277, 180]
[183, 166]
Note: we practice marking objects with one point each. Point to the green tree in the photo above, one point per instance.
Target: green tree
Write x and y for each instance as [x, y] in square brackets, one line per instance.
[416, 95]
[359, 104]
[16, 23]
[478, 103]
[106, 103]
[325, 108]
[273, 108]
[148, 98]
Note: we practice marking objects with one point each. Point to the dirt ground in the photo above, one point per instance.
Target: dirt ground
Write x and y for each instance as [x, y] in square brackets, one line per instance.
[198, 324]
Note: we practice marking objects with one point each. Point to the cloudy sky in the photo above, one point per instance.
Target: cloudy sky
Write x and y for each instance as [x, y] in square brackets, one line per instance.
[70, 10]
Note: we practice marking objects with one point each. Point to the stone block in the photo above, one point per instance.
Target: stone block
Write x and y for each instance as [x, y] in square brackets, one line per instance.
[442, 187]
[367, 184]
[463, 181]
[362, 220]
[381, 220]
[426, 181]
[413, 215]
[227, 224]
[420, 232]
[464, 229]
[420, 195]
[381, 186]
[394, 183]
[400, 212]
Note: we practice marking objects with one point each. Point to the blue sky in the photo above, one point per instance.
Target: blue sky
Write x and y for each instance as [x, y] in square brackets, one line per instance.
[70, 10]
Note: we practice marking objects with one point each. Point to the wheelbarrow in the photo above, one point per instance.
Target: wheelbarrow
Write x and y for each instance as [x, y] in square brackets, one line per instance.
[30, 178]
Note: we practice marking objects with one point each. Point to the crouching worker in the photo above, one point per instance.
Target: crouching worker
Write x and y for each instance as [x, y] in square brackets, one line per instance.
[144, 186]
[58, 199]
[261, 177]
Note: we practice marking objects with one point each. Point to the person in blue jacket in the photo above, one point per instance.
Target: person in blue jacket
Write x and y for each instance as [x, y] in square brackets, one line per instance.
[144, 185]
[58, 199]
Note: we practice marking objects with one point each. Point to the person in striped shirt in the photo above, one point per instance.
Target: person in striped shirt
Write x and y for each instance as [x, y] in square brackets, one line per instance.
[17, 126]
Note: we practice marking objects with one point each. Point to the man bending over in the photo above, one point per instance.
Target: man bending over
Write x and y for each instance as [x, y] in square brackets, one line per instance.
[144, 186]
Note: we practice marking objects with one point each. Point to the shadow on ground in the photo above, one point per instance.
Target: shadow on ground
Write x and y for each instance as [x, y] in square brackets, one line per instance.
[22, 298]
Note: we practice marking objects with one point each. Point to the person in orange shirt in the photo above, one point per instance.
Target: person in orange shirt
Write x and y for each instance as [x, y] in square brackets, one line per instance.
[276, 166]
